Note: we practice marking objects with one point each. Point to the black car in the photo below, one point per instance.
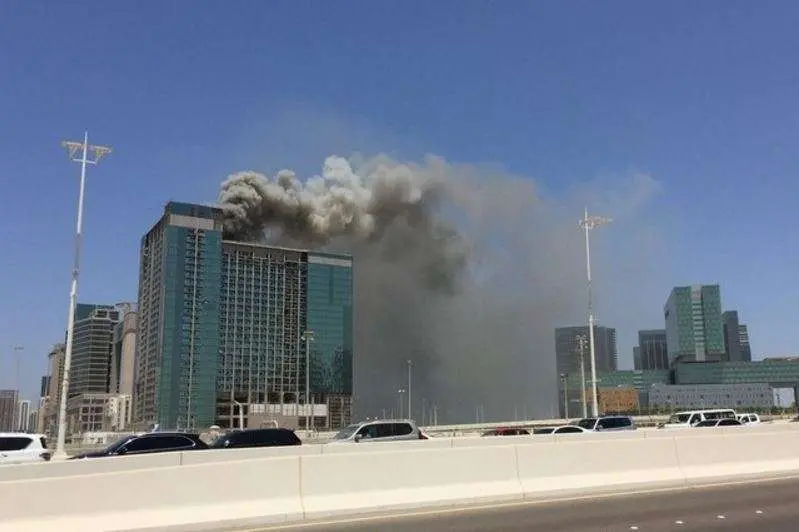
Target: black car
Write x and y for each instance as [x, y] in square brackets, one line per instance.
[257, 438]
[151, 442]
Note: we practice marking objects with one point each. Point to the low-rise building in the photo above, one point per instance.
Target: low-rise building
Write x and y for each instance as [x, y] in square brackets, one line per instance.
[742, 396]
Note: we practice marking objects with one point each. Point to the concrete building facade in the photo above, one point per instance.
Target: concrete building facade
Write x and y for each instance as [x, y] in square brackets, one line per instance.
[9, 403]
[742, 396]
[123, 362]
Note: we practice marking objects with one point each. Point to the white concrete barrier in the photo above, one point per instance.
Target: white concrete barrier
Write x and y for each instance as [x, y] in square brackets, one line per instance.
[566, 468]
[267, 489]
[233, 455]
[737, 453]
[69, 468]
[249, 491]
[347, 483]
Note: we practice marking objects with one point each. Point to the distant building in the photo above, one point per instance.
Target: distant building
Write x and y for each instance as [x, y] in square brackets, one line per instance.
[617, 400]
[694, 330]
[653, 350]
[740, 396]
[23, 413]
[33, 421]
[9, 401]
[736, 338]
[569, 358]
[44, 386]
[90, 369]
[124, 352]
[743, 338]
[49, 417]
[637, 358]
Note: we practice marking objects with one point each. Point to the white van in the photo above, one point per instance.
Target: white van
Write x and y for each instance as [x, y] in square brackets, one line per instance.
[690, 418]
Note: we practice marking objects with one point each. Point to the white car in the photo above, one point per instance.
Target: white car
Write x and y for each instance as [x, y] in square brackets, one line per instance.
[21, 448]
[749, 419]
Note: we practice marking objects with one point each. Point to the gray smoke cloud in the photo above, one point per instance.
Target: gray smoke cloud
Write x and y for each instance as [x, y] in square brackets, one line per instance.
[464, 270]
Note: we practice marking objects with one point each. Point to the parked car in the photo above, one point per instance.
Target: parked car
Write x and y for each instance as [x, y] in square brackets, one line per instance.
[565, 429]
[21, 448]
[148, 443]
[503, 431]
[607, 423]
[749, 419]
[256, 438]
[689, 418]
[379, 431]
[726, 422]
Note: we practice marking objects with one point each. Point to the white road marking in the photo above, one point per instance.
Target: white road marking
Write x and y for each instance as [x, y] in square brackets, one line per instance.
[721, 517]
[633, 527]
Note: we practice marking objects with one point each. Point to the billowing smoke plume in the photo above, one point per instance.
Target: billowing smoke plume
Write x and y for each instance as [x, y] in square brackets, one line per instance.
[466, 271]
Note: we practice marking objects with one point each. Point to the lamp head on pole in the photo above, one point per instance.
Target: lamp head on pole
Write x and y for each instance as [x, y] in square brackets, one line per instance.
[592, 222]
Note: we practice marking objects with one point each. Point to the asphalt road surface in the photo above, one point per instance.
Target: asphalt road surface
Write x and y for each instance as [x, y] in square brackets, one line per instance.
[762, 506]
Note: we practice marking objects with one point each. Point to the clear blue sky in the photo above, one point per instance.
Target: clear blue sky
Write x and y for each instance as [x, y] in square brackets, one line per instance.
[703, 96]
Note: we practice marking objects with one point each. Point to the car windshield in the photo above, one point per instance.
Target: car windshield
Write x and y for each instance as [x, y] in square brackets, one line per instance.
[587, 423]
[679, 418]
[346, 432]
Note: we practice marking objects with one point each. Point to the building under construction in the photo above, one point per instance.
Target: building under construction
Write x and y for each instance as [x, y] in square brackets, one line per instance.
[229, 330]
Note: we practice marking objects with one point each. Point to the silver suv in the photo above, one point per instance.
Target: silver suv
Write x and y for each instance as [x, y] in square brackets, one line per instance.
[607, 423]
[379, 430]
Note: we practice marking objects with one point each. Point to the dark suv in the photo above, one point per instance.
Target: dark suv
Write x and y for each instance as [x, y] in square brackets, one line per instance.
[151, 442]
[256, 438]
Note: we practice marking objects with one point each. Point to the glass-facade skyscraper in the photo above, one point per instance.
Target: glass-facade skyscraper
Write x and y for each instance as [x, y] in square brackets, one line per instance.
[694, 330]
[223, 323]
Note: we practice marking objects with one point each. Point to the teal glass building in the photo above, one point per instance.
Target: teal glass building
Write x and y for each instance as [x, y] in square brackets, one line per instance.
[222, 326]
[694, 328]
[177, 348]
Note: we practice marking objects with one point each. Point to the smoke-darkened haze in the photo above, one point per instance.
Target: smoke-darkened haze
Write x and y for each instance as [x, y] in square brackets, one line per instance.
[464, 270]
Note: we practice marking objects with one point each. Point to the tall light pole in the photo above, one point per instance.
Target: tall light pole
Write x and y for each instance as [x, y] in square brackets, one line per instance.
[97, 152]
[588, 223]
[564, 379]
[308, 336]
[581, 340]
[410, 365]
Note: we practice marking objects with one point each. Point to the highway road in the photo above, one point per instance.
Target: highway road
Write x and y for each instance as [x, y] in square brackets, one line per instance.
[762, 506]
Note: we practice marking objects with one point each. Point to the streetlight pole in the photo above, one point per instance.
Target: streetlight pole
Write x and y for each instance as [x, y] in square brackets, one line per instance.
[410, 365]
[581, 340]
[400, 392]
[564, 379]
[85, 159]
[588, 223]
[308, 336]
